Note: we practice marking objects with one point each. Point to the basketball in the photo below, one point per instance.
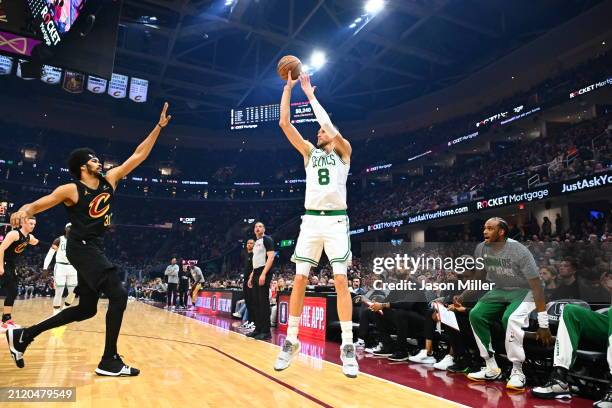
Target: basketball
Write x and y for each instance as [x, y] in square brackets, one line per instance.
[289, 63]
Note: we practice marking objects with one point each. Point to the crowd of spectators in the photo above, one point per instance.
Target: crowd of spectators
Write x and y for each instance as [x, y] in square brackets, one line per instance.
[506, 168]
[148, 226]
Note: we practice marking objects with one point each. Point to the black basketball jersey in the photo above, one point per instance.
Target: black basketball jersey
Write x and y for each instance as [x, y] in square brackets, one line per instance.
[16, 248]
[91, 216]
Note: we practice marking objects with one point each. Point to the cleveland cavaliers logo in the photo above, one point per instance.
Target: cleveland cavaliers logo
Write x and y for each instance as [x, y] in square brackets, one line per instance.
[97, 207]
[21, 247]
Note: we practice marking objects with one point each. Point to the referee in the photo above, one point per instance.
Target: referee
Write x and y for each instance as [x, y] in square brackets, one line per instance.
[248, 291]
[263, 258]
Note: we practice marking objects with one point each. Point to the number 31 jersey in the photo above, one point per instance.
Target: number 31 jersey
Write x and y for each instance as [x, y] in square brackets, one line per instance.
[91, 215]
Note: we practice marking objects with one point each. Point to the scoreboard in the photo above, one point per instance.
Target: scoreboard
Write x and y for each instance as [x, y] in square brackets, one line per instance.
[254, 116]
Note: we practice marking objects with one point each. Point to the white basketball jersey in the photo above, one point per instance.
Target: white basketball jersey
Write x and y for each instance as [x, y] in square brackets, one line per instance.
[326, 176]
[60, 255]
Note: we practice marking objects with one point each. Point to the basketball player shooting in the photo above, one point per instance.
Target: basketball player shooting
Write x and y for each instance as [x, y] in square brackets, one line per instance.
[325, 224]
[88, 201]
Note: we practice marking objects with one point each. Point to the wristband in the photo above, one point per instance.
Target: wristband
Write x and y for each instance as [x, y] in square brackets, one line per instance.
[160, 126]
[543, 320]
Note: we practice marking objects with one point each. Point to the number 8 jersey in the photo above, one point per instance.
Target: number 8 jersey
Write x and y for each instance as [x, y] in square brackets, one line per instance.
[91, 215]
[326, 175]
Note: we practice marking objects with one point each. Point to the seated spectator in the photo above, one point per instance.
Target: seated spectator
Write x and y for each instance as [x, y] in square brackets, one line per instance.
[402, 313]
[356, 288]
[569, 286]
[549, 277]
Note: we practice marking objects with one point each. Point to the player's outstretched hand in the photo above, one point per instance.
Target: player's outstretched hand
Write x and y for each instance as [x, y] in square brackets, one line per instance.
[307, 87]
[163, 118]
[291, 82]
[17, 218]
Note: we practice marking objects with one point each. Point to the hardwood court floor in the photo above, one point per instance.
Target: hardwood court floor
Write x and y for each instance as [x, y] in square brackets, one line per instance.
[184, 362]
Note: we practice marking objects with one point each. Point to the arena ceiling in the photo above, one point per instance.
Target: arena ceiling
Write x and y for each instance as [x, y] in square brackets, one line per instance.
[210, 56]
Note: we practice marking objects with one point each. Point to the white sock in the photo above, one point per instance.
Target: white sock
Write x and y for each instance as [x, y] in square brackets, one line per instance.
[293, 328]
[491, 363]
[347, 332]
[518, 366]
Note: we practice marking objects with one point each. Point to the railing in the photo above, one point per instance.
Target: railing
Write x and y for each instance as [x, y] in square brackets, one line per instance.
[533, 180]
[571, 157]
[593, 144]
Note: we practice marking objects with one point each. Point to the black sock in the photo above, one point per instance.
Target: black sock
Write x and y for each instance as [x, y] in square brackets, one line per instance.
[560, 373]
[6, 317]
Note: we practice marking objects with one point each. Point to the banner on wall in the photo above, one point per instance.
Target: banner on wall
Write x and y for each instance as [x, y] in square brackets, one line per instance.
[73, 82]
[118, 86]
[139, 89]
[6, 65]
[96, 85]
[18, 73]
[51, 75]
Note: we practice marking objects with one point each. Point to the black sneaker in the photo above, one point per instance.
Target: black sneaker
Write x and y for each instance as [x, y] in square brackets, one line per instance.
[384, 352]
[399, 356]
[461, 365]
[115, 367]
[556, 387]
[253, 334]
[17, 343]
[263, 336]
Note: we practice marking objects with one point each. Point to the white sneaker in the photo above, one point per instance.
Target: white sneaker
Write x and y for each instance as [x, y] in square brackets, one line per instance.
[555, 388]
[516, 380]
[360, 343]
[422, 358]
[374, 349]
[286, 354]
[485, 374]
[350, 368]
[446, 362]
[236, 315]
